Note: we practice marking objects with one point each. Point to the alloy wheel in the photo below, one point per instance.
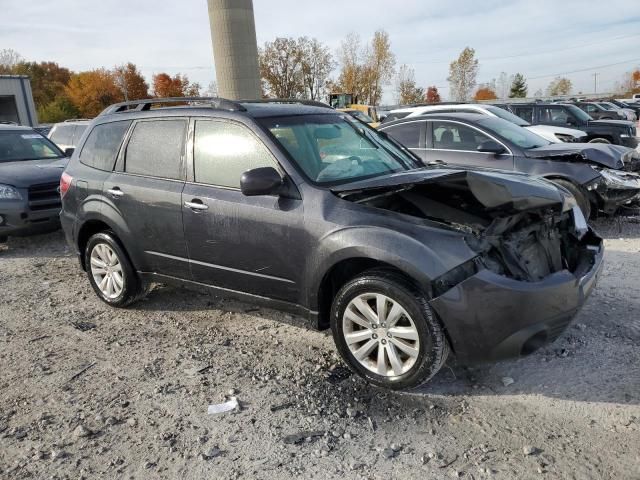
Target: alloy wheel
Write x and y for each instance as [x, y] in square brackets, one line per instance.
[106, 270]
[380, 334]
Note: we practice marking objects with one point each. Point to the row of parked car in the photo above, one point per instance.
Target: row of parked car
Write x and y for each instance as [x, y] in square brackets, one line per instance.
[599, 164]
[431, 235]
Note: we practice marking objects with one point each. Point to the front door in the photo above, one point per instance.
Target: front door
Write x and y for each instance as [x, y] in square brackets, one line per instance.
[146, 191]
[240, 243]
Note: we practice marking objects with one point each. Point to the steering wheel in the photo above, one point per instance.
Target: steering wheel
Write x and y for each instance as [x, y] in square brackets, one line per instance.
[355, 158]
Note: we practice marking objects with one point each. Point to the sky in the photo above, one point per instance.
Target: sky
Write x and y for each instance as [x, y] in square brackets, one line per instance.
[540, 39]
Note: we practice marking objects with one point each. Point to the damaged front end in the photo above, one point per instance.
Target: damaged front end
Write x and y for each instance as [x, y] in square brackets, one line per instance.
[618, 181]
[536, 258]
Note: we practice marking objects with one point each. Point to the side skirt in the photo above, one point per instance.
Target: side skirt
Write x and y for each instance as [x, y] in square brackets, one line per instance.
[311, 316]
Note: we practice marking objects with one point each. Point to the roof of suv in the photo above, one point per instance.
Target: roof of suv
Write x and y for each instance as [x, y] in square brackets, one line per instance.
[10, 127]
[252, 108]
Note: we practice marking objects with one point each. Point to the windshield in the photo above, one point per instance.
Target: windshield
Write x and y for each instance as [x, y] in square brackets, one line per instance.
[520, 136]
[508, 116]
[332, 149]
[22, 145]
[579, 113]
[363, 117]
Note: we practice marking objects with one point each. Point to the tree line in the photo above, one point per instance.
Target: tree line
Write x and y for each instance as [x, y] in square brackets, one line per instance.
[290, 68]
[60, 93]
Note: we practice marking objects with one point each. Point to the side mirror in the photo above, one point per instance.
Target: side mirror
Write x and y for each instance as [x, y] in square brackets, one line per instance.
[491, 146]
[69, 151]
[261, 181]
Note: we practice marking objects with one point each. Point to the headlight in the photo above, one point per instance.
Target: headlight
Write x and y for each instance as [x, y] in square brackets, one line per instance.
[7, 192]
[619, 179]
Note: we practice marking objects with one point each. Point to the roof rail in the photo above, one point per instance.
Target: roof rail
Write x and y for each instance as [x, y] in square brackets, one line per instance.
[311, 103]
[145, 104]
[78, 120]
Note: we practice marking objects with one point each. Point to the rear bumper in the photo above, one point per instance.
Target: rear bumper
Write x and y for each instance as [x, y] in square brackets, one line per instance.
[491, 317]
[18, 220]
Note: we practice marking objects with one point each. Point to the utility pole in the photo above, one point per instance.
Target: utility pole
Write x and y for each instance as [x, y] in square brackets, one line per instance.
[595, 82]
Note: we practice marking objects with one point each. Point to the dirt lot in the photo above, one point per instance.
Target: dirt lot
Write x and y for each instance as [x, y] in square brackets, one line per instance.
[87, 391]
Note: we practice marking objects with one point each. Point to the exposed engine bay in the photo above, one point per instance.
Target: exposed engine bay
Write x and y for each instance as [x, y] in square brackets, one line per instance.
[519, 241]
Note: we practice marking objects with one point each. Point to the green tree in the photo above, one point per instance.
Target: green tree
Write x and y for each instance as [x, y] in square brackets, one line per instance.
[518, 87]
[58, 110]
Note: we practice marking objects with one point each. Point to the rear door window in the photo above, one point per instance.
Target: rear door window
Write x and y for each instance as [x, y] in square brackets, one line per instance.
[223, 151]
[101, 148]
[408, 134]
[155, 149]
[77, 133]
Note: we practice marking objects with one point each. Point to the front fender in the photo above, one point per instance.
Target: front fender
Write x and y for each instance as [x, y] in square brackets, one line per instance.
[415, 255]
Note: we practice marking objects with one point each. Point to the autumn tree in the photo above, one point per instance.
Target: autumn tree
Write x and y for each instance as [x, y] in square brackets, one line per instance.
[559, 86]
[351, 79]
[407, 91]
[485, 92]
[518, 87]
[281, 68]
[462, 75]
[379, 67]
[316, 63]
[165, 86]
[92, 91]
[432, 95]
[130, 82]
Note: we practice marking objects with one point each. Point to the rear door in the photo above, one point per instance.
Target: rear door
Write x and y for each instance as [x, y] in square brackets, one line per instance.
[145, 194]
[240, 243]
[456, 143]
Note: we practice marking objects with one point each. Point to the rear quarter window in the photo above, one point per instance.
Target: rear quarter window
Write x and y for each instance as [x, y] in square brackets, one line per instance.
[62, 134]
[102, 145]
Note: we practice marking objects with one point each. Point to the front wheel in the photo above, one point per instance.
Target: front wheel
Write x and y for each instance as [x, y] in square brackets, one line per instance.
[110, 272]
[600, 140]
[386, 332]
[580, 196]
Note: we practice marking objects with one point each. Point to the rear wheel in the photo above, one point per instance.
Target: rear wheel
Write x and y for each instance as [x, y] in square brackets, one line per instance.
[385, 330]
[579, 194]
[110, 272]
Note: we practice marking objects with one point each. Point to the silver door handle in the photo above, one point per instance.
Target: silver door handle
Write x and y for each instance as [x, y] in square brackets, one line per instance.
[115, 192]
[196, 206]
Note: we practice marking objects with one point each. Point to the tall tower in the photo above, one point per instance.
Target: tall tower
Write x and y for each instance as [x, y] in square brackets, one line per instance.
[235, 49]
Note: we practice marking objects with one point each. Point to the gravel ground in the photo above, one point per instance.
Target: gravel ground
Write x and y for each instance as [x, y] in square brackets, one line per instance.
[87, 391]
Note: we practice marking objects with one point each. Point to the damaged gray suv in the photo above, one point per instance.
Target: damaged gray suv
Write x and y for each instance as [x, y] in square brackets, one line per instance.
[298, 207]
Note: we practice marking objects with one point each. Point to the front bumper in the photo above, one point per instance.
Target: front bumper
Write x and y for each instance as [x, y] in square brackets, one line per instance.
[19, 220]
[491, 317]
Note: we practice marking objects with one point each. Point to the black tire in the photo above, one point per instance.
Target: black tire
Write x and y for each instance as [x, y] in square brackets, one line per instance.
[133, 288]
[600, 140]
[579, 194]
[433, 346]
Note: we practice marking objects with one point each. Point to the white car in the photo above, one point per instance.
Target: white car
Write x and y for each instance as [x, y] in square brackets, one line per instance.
[551, 133]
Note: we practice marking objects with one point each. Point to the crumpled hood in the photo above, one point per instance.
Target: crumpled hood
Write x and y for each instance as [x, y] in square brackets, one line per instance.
[493, 189]
[605, 155]
[22, 174]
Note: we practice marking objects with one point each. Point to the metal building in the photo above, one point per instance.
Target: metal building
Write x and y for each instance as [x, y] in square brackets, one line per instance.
[235, 49]
[16, 100]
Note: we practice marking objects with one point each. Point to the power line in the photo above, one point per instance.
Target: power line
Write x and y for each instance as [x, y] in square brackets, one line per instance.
[585, 69]
[528, 54]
